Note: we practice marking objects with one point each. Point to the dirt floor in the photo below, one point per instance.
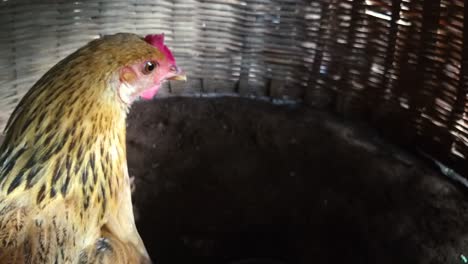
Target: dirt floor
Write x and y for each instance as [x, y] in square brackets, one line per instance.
[237, 181]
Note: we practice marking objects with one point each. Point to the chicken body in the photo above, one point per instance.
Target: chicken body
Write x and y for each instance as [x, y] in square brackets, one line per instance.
[64, 185]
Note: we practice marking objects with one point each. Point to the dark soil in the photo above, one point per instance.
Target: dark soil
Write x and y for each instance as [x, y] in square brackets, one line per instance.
[228, 179]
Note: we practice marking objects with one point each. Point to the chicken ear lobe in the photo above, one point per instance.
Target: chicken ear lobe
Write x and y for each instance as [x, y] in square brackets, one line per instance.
[126, 90]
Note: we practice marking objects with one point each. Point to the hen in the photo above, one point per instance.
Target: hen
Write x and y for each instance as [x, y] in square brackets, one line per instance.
[64, 185]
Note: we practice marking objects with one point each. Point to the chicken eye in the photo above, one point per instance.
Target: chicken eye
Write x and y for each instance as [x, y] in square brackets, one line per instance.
[149, 67]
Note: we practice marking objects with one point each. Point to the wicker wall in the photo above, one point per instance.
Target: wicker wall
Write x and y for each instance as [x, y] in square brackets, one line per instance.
[401, 65]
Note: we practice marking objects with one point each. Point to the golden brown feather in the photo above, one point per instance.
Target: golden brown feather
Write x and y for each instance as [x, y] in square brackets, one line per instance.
[64, 186]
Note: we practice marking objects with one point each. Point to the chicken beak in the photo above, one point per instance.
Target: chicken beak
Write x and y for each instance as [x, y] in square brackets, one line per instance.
[178, 77]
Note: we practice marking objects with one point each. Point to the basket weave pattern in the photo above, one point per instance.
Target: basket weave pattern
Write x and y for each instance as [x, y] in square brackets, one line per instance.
[402, 65]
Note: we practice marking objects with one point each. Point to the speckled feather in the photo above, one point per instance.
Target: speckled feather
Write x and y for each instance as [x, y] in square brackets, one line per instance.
[64, 186]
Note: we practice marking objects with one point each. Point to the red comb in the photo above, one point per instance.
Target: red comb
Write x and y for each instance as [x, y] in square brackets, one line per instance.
[157, 41]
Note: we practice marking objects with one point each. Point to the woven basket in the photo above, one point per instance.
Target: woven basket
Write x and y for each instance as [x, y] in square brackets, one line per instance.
[402, 65]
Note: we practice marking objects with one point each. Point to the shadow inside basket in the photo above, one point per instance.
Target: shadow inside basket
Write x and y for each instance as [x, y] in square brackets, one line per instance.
[230, 180]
